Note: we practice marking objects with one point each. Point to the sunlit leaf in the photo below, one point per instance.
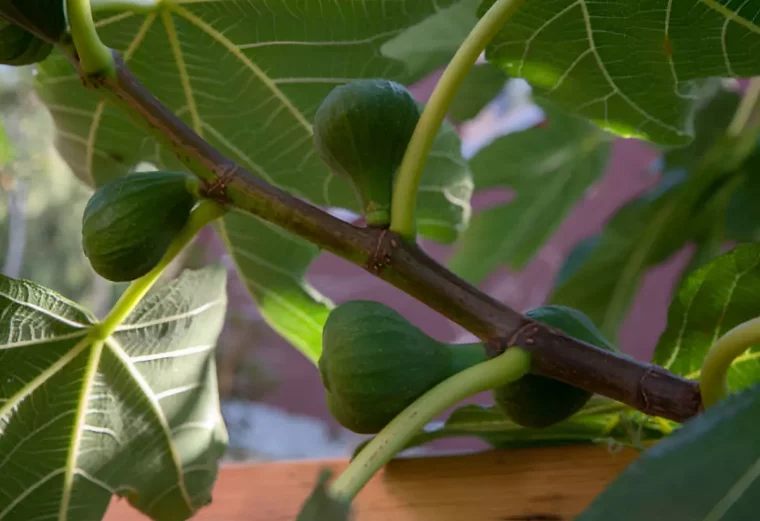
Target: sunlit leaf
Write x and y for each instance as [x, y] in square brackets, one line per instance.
[249, 81]
[550, 167]
[629, 66]
[136, 415]
[712, 300]
[604, 274]
[707, 470]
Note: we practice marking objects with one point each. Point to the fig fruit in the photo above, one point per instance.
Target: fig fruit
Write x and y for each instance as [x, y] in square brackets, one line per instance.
[374, 364]
[361, 131]
[536, 401]
[131, 221]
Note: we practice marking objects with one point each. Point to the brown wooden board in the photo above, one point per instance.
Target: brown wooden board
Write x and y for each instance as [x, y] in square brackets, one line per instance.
[547, 484]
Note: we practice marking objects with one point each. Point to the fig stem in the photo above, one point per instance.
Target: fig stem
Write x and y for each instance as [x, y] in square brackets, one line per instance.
[712, 382]
[94, 57]
[748, 107]
[409, 173]
[503, 369]
[205, 212]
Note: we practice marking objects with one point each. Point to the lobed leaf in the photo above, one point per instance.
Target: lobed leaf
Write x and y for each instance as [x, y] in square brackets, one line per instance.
[550, 167]
[249, 80]
[603, 274]
[76, 415]
[707, 470]
[712, 300]
[631, 67]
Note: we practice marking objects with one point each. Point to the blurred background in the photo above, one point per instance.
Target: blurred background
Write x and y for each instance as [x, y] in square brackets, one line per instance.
[272, 398]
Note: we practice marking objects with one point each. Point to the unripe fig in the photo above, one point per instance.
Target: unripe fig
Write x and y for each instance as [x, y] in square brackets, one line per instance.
[361, 132]
[375, 363]
[537, 401]
[129, 223]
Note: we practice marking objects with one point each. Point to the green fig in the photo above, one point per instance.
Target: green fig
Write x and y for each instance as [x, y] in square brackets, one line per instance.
[361, 131]
[536, 401]
[130, 222]
[374, 364]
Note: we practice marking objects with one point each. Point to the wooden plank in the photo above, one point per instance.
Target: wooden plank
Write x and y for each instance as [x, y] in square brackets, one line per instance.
[547, 484]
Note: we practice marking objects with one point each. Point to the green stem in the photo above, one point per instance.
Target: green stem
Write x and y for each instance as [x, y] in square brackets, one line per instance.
[204, 213]
[747, 107]
[505, 368]
[712, 382]
[94, 56]
[410, 171]
[132, 6]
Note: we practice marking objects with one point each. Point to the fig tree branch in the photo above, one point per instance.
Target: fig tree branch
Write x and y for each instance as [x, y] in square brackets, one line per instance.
[648, 388]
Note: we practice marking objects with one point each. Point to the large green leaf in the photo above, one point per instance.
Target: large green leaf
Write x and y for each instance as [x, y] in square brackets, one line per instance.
[137, 415]
[550, 167]
[602, 277]
[249, 80]
[713, 299]
[272, 264]
[707, 471]
[433, 42]
[629, 66]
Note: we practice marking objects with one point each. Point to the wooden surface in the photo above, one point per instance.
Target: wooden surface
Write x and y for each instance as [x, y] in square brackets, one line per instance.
[550, 484]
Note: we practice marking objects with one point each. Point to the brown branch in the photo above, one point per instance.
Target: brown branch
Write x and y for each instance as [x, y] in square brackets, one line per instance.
[648, 388]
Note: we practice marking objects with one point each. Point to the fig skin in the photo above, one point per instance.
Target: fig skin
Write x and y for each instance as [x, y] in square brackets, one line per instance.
[536, 401]
[130, 222]
[361, 131]
[374, 364]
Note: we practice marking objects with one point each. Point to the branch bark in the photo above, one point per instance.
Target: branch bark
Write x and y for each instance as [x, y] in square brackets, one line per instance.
[648, 388]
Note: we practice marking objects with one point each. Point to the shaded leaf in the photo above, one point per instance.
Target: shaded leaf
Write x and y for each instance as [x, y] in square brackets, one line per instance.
[432, 43]
[742, 217]
[628, 66]
[600, 421]
[147, 394]
[478, 89]
[249, 81]
[320, 506]
[272, 264]
[604, 274]
[707, 470]
[551, 168]
[711, 301]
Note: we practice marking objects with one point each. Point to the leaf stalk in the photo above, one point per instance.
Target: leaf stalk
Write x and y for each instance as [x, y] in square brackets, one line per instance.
[409, 173]
[205, 212]
[503, 369]
[95, 58]
[713, 381]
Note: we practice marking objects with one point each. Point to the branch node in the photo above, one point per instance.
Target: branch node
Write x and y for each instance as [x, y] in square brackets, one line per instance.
[382, 255]
[225, 174]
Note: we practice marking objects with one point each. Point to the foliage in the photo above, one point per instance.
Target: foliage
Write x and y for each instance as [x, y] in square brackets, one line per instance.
[681, 481]
[128, 405]
[145, 393]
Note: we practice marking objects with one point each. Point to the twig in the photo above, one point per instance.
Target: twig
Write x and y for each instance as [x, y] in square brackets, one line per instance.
[647, 388]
